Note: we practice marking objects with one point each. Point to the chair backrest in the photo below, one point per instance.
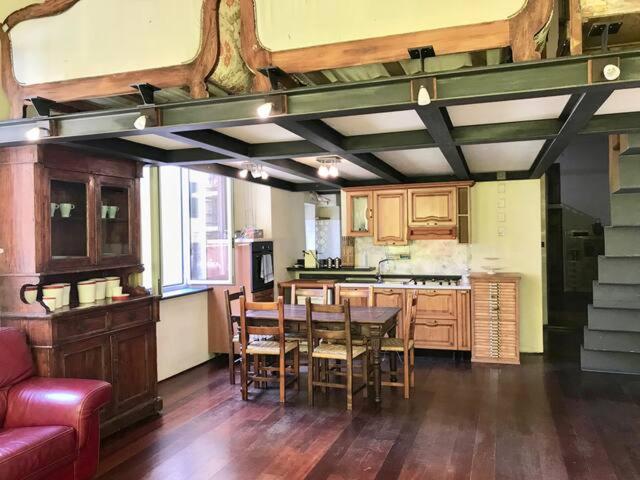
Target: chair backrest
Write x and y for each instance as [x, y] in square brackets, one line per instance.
[247, 329]
[228, 298]
[16, 363]
[321, 293]
[323, 330]
[411, 323]
[352, 293]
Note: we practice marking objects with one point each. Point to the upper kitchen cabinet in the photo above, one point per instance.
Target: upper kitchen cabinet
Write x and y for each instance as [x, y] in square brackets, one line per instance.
[359, 213]
[390, 217]
[432, 207]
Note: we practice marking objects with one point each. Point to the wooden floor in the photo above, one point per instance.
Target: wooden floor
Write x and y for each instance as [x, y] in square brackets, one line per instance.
[542, 420]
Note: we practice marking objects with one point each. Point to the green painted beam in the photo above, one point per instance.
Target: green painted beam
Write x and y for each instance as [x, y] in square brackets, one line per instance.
[306, 172]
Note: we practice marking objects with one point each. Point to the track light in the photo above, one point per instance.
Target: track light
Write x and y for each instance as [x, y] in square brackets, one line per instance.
[265, 175]
[36, 133]
[141, 122]
[328, 166]
[264, 110]
[333, 171]
[323, 171]
[611, 72]
[243, 173]
[423, 96]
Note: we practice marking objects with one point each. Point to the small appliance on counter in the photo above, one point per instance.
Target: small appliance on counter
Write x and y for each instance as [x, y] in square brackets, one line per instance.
[310, 259]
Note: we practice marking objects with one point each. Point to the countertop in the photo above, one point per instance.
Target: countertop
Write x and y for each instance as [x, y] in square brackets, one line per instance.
[405, 286]
[330, 270]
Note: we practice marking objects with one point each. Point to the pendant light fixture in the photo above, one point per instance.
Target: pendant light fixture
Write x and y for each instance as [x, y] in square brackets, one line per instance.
[256, 170]
[273, 105]
[328, 166]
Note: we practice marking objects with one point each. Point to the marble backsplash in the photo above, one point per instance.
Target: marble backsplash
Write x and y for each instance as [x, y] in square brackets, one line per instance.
[438, 257]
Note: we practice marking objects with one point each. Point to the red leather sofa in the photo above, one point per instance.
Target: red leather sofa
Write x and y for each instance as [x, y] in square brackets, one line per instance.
[49, 427]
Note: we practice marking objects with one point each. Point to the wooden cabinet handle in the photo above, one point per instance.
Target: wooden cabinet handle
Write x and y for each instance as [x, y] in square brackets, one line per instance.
[432, 324]
[371, 213]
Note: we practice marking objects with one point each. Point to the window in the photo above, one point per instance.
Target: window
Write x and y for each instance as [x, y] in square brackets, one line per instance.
[195, 227]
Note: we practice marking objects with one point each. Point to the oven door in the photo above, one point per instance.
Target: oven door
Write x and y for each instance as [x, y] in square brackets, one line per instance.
[257, 282]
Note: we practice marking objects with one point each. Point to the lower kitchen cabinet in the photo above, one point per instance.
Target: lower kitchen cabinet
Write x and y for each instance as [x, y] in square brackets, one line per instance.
[436, 334]
[392, 297]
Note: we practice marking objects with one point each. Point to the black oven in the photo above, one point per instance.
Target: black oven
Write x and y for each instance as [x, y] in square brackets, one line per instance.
[262, 267]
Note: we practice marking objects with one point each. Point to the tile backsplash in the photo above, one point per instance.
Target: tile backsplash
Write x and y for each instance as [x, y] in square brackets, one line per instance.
[438, 257]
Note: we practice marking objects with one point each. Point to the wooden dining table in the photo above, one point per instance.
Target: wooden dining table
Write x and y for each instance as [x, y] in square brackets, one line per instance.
[370, 323]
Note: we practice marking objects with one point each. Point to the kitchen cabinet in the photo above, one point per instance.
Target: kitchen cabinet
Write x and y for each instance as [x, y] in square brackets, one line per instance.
[359, 213]
[392, 297]
[390, 217]
[436, 334]
[432, 207]
[437, 303]
[495, 318]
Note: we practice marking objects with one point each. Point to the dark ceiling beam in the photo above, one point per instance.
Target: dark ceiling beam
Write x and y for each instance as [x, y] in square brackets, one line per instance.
[574, 121]
[300, 148]
[213, 141]
[439, 126]
[123, 149]
[286, 165]
[322, 135]
[193, 155]
[613, 123]
[231, 172]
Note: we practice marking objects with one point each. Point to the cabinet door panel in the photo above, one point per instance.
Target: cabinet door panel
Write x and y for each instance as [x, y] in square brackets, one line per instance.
[86, 359]
[390, 297]
[432, 207]
[437, 304]
[464, 320]
[437, 334]
[390, 217]
[359, 214]
[135, 347]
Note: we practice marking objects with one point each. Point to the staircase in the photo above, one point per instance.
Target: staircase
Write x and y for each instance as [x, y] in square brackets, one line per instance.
[612, 337]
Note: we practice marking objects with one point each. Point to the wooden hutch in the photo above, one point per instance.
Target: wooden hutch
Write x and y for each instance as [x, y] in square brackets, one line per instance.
[111, 341]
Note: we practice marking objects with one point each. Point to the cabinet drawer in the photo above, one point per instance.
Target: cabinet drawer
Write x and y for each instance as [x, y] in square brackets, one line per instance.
[71, 328]
[436, 334]
[129, 316]
[437, 304]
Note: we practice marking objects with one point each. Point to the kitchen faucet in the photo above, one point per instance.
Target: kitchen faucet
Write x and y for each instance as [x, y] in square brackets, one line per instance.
[379, 275]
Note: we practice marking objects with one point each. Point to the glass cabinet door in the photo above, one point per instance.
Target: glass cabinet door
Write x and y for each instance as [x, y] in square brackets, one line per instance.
[114, 211]
[359, 213]
[69, 220]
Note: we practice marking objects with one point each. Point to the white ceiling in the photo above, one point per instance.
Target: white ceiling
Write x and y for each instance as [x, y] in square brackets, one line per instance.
[158, 142]
[621, 101]
[501, 157]
[348, 170]
[421, 161]
[260, 133]
[508, 111]
[376, 123]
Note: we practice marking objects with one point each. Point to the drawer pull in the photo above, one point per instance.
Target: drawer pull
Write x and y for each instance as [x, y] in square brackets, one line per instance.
[432, 324]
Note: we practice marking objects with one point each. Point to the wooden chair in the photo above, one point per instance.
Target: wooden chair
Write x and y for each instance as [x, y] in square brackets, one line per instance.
[320, 293]
[329, 343]
[277, 347]
[360, 293]
[406, 346]
[232, 327]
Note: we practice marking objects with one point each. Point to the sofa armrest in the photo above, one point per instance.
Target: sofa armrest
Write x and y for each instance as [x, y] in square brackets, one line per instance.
[71, 402]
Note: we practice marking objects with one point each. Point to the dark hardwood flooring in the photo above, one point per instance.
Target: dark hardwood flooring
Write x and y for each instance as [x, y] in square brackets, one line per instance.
[542, 420]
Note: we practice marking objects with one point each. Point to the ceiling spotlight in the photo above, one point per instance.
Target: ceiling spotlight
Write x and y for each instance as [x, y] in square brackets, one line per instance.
[36, 133]
[243, 173]
[611, 72]
[328, 166]
[323, 171]
[141, 122]
[264, 110]
[333, 171]
[265, 175]
[423, 96]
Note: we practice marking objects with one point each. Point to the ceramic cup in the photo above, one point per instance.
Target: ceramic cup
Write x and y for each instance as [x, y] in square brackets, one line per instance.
[113, 211]
[56, 291]
[30, 294]
[50, 302]
[87, 291]
[101, 287]
[66, 293]
[111, 283]
[116, 291]
[65, 209]
[104, 210]
[54, 207]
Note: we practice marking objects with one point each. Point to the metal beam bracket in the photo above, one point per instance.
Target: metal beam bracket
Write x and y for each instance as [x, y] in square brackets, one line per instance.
[422, 53]
[146, 91]
[42, 105]
[427, 82]
[278, 78]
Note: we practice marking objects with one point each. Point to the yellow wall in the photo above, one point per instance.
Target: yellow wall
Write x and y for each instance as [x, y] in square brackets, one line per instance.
[519, 248]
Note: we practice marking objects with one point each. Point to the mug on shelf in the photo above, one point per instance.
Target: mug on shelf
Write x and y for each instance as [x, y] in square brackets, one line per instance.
[104, 210]
[66, 293]
[113, 211]
[56, 291]
[101, 287]
[87, 291]
[116, 291]
[30, 293]
[50, 302]
[65, 209]
[112, 282]
[54, 207]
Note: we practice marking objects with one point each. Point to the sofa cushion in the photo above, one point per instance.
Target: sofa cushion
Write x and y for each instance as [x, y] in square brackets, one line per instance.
[33, 452]
[16, 363]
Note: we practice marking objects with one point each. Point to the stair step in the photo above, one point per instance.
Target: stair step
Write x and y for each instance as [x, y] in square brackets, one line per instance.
[614, 319]
[630, 144]
[610, 362]
[622, 240]
[619, 270]
[607, 295]
[628, 178]
[624, 209]
[611, 341]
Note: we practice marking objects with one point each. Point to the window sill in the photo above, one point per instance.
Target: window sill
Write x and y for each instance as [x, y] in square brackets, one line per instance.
[184, 291]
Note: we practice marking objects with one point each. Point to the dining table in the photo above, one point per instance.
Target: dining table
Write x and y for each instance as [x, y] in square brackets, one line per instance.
[367, 323]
